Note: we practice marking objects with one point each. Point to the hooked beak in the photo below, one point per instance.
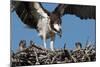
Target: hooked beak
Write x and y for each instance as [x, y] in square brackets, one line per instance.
[60, 33]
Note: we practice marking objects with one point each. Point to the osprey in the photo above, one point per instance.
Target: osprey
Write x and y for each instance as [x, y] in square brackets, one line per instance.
[49, 23]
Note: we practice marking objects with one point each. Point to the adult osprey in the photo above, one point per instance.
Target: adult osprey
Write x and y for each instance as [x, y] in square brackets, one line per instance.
[49, 23]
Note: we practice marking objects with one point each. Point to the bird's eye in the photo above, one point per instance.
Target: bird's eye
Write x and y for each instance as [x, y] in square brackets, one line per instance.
[59, 20]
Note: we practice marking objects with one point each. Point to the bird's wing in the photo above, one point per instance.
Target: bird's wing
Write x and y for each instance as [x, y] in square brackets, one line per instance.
[82, 11]
[28, 12]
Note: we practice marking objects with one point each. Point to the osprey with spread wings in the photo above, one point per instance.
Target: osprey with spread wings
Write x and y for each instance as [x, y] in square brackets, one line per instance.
[49, 23]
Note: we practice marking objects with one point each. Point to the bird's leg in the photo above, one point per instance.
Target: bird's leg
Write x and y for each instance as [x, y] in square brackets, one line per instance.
[44, 40]
[45, 43]
[52, 43]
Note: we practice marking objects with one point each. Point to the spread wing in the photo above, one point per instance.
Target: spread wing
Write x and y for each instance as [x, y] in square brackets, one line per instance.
[28, 12]
[82, 11]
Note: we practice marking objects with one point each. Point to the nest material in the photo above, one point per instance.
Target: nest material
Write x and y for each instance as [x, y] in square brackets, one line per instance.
[36, 55]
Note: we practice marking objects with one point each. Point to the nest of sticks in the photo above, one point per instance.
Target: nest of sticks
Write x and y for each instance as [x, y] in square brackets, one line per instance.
[36, 55]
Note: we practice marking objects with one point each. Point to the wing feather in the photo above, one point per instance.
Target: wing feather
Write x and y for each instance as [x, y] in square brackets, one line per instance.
[82, 11]
[28, 12]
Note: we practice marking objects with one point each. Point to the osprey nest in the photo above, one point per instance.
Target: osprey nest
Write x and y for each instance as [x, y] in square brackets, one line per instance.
[37, 55]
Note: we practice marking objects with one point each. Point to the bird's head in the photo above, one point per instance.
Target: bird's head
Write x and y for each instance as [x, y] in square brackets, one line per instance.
[55, 23]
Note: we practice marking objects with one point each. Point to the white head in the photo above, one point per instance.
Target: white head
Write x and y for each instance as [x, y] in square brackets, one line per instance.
[57, 27]
[56, 24]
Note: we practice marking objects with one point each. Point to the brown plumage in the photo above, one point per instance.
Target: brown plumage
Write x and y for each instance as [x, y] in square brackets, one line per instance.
[48, 23]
